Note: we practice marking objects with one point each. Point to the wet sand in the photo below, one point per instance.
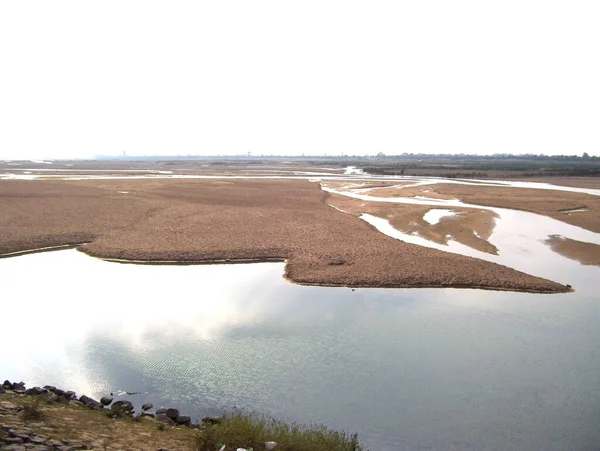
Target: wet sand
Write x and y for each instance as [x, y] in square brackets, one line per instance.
[585, 253]
[202, 221]
[467, 226]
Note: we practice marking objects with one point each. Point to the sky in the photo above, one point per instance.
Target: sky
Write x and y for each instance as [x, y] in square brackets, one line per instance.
[82, 78]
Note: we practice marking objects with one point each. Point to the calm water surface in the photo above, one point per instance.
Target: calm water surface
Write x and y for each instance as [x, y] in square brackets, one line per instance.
[420, 369]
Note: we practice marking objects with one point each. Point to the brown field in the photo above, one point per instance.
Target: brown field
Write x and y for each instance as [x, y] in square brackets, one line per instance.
[201, 221]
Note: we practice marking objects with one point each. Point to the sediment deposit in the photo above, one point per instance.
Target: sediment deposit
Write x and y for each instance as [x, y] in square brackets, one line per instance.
[232, 219]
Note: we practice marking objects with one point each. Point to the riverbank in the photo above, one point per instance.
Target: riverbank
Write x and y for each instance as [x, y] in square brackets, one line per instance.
[191, 221]
[49, 418]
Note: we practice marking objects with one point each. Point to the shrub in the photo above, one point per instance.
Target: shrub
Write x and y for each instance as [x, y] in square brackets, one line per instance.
[31, 409]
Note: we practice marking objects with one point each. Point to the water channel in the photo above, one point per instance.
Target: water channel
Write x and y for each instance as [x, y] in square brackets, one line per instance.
[413, 369]
[407, 369]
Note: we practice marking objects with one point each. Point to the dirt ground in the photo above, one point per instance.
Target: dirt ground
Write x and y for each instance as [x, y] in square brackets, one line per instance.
[220, 220]
[80, 425]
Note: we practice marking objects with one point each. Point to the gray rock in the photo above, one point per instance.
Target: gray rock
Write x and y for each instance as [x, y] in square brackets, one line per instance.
[35, 391]
[147, 406]
[183, 419]
[106, 400]
[7, 385]
[38, 439]
[19, 433]
[14, 448]
[71, 394]
[161, 410]
[163, 418]
[124, 406]
[50, 396]
[13, 440]
[146, 414]
[54, 443]
[269, 446]
[172, 413]
[2, 390]
[90, 403]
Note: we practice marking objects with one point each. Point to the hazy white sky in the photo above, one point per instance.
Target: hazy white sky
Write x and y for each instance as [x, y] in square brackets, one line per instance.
[79, 78]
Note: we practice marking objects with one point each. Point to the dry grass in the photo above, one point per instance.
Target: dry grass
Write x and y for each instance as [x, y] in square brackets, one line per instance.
[240, 430]
[96, 429]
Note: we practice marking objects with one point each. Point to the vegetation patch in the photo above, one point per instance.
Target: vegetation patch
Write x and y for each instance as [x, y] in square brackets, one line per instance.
[243, 430]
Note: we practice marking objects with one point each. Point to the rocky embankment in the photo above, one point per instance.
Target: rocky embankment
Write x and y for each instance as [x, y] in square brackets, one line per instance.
[19, 435]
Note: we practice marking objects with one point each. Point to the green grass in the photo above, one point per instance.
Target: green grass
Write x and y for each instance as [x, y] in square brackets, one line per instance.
[252, 431]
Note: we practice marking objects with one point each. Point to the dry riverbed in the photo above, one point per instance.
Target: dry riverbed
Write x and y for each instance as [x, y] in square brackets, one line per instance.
[222, 220]
[472, 227]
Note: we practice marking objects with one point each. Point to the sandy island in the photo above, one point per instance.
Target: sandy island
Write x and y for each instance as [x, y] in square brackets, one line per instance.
[202, 221]
[473, 227]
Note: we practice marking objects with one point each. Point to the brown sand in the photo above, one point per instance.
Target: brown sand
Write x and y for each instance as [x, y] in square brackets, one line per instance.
[216, 220]
[585, 253]
[469, 226]
[556, 204]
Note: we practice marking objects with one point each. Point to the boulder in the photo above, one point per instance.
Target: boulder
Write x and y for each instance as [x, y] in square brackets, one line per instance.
[58, 391]
[123, 406]
[14, 448]
[147, 406]
[35, 391]
[163, 418]
[71, 395]
[7, 385]
[50, 396]
[172, 413]
[90, 403]
[106, 400]
[2, 390]
[270, 445]
[18, 387]
[183, 419]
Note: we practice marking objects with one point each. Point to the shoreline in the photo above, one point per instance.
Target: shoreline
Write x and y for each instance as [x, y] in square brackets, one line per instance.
[242, 261]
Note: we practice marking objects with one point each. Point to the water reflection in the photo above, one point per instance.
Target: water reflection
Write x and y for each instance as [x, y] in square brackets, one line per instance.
[413, 369]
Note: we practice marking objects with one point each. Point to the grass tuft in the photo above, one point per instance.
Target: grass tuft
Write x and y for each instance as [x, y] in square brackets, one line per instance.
[31, 409]
[241, 430]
